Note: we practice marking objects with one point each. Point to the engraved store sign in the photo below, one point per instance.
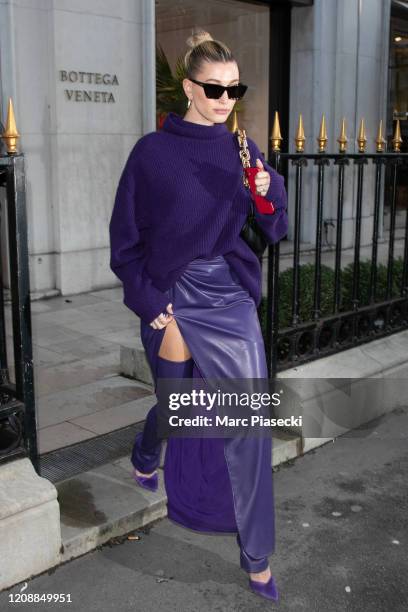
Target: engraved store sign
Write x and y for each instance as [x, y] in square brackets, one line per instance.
[73, 78]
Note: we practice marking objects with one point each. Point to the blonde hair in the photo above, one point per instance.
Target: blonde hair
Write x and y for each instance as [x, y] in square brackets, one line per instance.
[204, 48]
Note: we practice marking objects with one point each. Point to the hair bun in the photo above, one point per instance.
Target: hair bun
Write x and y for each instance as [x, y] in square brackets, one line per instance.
[198, 36]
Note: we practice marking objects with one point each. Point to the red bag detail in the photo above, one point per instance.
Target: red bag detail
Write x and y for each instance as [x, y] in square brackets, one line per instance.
[263, 205]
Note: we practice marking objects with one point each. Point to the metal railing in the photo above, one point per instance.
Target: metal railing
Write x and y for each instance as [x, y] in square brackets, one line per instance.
[345, 323]
[18, 431]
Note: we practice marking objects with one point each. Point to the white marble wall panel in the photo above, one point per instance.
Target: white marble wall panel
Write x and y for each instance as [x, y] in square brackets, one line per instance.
[339, 64]
[74, 151]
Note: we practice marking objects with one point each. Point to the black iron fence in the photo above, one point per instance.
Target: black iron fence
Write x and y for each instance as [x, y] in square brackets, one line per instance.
[328, 309]
[308, 312]
[18, 432]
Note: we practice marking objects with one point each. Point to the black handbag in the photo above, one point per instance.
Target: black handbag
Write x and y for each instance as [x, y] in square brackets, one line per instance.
[253, 235]
[251, 231]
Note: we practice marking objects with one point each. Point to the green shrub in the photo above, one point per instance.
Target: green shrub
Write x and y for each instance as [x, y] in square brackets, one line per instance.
[306, 290]
[364, 284]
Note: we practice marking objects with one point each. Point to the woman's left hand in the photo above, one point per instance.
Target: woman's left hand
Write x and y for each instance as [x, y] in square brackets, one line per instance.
[262, 179]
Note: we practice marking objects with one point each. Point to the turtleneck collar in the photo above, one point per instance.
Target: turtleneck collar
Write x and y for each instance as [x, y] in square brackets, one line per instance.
[177, 125]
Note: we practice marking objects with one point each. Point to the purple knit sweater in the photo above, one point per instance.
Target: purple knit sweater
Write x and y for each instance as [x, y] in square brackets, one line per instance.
[181, 196]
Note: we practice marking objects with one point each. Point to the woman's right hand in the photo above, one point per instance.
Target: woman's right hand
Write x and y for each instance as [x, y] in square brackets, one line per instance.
[163, 319]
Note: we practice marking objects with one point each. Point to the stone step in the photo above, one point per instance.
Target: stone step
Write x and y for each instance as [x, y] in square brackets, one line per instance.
[133, 362]
[106, 502]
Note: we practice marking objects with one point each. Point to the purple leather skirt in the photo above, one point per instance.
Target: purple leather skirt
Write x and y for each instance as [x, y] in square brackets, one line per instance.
[219, 484]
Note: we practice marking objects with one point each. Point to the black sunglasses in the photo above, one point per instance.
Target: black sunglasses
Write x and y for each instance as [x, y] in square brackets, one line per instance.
[214, 91]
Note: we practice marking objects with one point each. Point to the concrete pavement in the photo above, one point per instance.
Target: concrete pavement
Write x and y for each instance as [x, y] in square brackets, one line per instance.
[341, 544]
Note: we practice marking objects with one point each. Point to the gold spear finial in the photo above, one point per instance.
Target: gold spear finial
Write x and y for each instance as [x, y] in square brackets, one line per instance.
[322, 138]
[342, 139]
[361, 139]
[276, 136]
[10, 134]
[234, 125]
[300, 136]
[380, 140]
[397, 140]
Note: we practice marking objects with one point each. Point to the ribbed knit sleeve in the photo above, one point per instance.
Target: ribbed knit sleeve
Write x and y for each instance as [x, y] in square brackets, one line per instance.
[275, 226]
[127, 250]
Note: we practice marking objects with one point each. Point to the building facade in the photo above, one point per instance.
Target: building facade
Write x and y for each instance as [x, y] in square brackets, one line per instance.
[82, 76]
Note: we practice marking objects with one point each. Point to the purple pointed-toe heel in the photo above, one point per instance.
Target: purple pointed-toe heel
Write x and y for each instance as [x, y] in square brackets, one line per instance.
[148, 482]
[265, 589]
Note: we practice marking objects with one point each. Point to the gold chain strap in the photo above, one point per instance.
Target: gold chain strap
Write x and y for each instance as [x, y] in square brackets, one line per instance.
[244, 153]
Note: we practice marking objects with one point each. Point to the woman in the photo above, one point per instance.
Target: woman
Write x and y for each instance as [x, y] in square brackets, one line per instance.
[196, 285]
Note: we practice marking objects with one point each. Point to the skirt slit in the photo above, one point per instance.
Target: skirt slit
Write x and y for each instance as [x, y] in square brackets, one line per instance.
[218, 484]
